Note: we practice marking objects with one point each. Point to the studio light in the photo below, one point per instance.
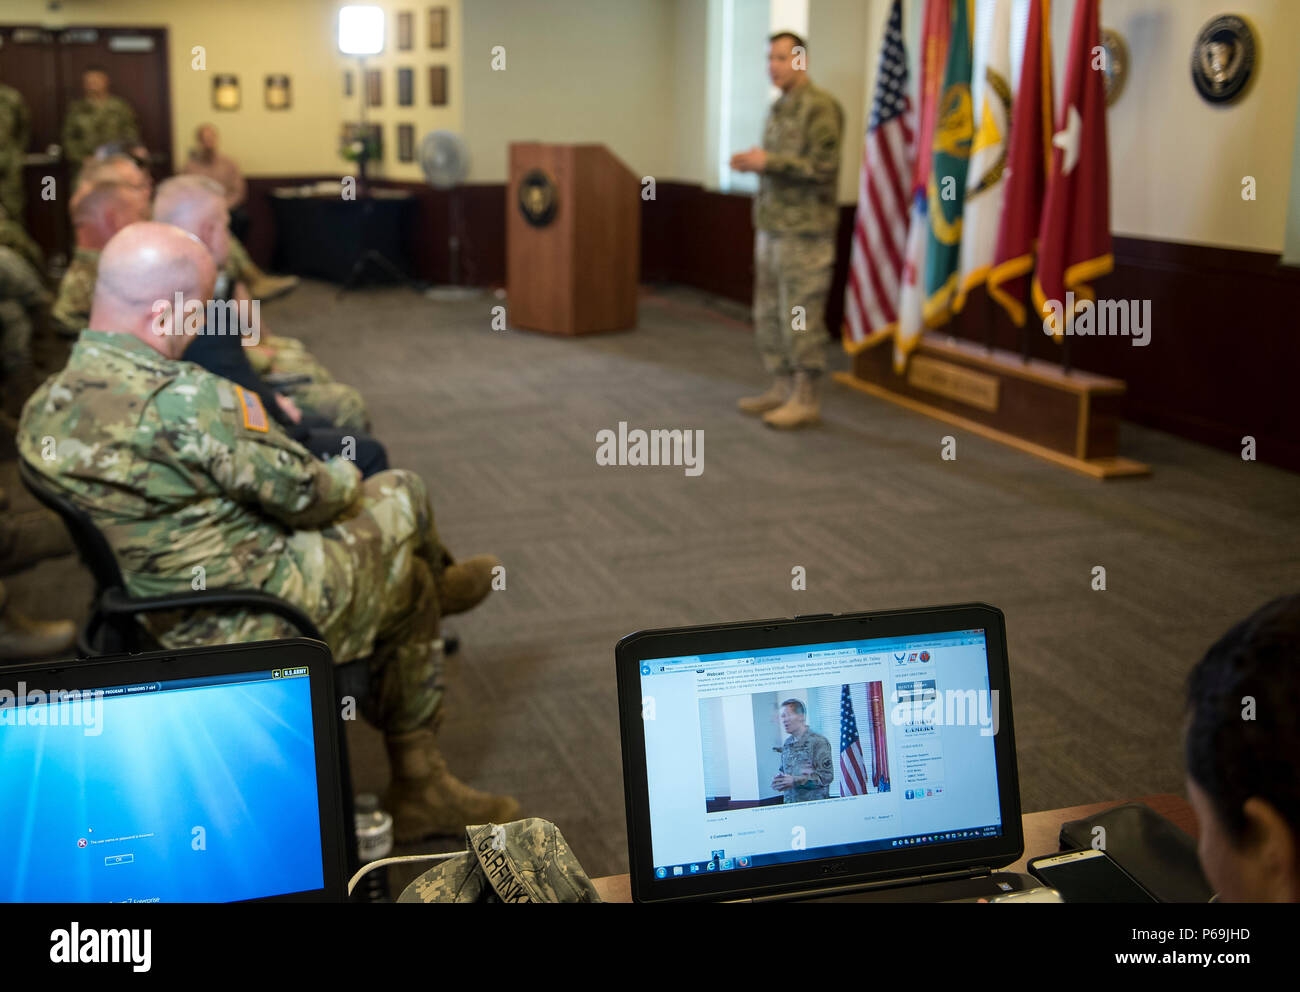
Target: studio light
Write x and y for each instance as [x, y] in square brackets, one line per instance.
[361, 29]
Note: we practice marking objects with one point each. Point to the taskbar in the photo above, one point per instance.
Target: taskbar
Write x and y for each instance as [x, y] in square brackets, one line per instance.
[722, 861]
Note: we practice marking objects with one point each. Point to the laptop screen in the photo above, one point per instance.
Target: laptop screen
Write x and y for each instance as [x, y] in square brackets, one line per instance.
[198, 790]
[760, 758]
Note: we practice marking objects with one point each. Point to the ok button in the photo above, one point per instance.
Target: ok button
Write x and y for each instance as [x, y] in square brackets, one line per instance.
[119, 859]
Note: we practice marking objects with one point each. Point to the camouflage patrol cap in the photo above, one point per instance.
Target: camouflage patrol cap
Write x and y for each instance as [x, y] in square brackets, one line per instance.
[524, 861]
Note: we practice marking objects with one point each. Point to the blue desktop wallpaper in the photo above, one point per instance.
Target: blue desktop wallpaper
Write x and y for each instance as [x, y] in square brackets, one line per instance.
[189, 795]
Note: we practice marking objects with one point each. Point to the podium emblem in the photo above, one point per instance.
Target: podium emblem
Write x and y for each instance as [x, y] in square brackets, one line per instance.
[1224, 59]
[538, 198]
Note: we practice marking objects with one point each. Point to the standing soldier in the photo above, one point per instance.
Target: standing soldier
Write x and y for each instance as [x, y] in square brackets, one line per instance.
[99, 119]
[806, 768]
[15, 130]
[796, 214]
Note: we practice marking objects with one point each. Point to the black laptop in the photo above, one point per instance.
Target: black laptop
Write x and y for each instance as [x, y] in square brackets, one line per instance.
[868, 756]
[203, 775]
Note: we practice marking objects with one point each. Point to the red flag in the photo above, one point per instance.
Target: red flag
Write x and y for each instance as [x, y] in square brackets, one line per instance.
[1029, 163]
[1074, 245]
[936, 32]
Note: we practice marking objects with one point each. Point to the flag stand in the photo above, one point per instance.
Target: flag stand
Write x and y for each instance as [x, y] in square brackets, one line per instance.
[1068, 418]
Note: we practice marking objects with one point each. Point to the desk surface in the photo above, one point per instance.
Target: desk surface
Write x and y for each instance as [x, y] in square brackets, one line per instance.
[1042, 832]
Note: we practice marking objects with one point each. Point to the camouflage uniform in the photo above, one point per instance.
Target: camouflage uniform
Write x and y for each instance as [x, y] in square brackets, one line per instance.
[807, 755]
[21, 295]
[796, 214]
[340, 404]
[12, 235]
[15, 131]
[90, 124]
[188, 478]
[521, 862]
[71, 310]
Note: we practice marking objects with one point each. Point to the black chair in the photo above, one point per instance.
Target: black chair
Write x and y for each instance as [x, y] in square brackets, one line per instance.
[112, 627]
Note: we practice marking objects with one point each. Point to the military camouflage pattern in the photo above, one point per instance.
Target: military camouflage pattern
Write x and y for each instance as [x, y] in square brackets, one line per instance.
[12, 235]
[278, 355]
[340, 404]
[798, 189]
[240, 265]
[15, 131]
[792, 271]
[90, 124]
[21, 293]
[195, 486]
[807, 757]
[527, 861]
[71, 310]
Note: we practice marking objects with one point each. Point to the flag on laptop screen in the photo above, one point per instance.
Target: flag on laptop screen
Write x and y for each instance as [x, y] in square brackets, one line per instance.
[853, 776]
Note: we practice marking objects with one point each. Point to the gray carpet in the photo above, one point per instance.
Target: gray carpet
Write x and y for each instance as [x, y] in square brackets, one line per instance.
[502, 425]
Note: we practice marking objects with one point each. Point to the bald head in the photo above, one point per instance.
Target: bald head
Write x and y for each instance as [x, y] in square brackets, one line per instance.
[141, 270]
[196, 204]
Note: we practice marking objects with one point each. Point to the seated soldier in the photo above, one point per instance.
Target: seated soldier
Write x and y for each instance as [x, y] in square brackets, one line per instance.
[186, 474]
[100, 211]
[115, 163]
[117, 199]
[198, 205]
[23, 299]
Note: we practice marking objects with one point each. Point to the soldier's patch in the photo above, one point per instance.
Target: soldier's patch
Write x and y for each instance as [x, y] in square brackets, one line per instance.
[255, 418]
[225, 397]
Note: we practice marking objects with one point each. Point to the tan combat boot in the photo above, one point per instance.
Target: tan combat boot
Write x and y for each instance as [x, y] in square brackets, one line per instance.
[268, 287]
[427, 800]
[465, 584]
[802, 409]
[776, 394]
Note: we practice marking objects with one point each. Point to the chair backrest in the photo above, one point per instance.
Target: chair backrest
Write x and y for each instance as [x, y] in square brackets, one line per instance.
[91, 545]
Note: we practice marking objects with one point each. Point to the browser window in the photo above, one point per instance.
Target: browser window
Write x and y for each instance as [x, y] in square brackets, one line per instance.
[819, 750]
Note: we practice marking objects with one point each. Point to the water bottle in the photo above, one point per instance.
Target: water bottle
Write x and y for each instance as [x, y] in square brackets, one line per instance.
[374, 841]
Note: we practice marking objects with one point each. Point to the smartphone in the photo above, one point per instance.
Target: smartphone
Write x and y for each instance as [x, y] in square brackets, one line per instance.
[1088, 876]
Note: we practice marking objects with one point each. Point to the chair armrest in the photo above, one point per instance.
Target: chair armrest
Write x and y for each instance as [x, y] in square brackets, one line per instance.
[115, 602]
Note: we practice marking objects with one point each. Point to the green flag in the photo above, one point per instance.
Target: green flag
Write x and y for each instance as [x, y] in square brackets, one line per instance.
[946, 192]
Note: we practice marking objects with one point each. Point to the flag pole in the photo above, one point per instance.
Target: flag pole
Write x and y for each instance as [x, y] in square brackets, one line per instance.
[990, 323]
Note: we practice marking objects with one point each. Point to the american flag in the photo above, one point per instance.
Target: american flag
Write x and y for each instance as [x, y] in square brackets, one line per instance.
[853, 775]
[884, 200]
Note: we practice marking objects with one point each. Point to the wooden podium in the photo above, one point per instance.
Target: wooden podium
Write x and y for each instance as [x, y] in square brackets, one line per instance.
[573, 239]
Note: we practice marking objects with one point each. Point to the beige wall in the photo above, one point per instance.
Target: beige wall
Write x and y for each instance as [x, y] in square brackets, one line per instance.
[576, 71]
[254, 38]
[1177, 162]
[634, 74]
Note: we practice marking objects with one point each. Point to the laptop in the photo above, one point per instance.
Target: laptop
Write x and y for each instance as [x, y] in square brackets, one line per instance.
[868, 756]
[202, 775]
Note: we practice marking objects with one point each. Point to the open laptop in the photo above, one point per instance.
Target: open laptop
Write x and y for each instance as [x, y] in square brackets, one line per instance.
[863, 756]
[203, 775]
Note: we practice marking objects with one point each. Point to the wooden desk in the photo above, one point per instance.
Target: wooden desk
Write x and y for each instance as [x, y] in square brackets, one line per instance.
[1042, 833]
